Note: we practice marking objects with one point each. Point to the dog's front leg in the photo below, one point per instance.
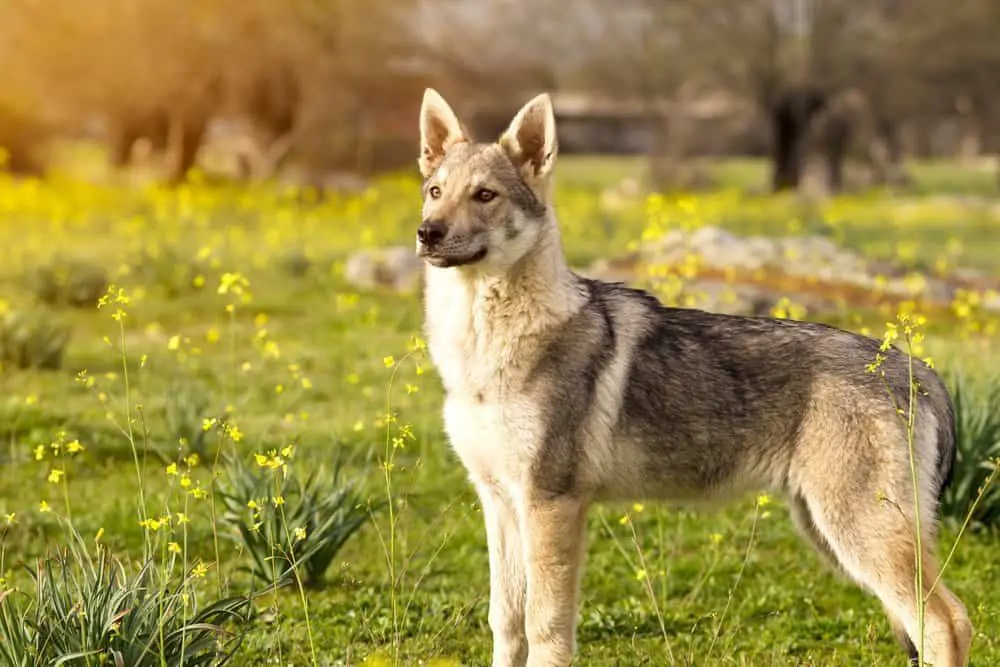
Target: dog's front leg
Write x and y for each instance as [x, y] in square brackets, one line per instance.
[507, 580]
[553, 531]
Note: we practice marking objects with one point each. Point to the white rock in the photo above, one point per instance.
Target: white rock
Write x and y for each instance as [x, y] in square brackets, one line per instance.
[395, 267]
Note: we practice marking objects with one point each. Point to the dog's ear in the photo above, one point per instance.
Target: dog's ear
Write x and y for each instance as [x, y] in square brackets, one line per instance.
[530, 141]
[439, 131]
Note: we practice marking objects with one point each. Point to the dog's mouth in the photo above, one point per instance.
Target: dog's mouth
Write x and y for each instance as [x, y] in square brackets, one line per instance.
[447, 261]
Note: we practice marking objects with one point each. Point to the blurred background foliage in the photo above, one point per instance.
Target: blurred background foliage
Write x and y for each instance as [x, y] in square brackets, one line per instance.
[311, 88]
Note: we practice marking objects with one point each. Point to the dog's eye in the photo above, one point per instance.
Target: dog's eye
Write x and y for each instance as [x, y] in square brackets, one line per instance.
[434, 192]
[485, 195]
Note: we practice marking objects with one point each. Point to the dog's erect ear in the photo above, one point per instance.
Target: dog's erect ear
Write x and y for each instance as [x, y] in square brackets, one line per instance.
[439, 131]
[530, 141]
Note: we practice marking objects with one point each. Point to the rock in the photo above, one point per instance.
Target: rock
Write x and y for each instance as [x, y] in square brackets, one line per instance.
[720, 297]
[615, 269]
[991, 301]
[816, 258]
[762, 251]
[617, 197]
[395, 267]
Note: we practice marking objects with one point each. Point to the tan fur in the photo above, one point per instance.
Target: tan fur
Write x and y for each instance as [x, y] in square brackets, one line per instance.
[489, 323]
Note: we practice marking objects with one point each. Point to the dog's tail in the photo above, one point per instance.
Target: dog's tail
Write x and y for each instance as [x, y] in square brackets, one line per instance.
[947, 442]
[947, 435]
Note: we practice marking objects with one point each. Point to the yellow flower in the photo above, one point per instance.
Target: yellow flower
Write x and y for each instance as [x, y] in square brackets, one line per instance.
[389, 361]
[44, 507]
[638, 507]
[172, 469]
[11, 518]
[763, 500]
[278, 501]
[151, 524]
[300, 534]
[39, 452]
[200, 570]
[174, 343]
[55, 475]
[232, 282]
[74, 447]
[174, 548]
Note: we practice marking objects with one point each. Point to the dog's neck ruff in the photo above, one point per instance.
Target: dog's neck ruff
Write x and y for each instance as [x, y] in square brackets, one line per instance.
[482, 326]
[538, 292]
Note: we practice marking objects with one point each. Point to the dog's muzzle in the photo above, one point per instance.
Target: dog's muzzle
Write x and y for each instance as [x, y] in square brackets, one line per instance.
[434, 246]
[431, 233]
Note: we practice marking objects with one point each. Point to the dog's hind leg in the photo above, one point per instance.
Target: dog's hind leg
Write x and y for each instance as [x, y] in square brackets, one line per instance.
[803, 520]
[807, 528]
[874, 542]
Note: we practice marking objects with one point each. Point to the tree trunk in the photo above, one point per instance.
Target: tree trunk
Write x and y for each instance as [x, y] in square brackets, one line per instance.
[189, 138]
[887, 154]
[122, 135]
[790, 118]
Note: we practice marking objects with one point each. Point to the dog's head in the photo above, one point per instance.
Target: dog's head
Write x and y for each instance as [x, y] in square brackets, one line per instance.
[484, 204]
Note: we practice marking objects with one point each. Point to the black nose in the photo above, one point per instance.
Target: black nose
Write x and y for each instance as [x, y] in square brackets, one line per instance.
[431, 232]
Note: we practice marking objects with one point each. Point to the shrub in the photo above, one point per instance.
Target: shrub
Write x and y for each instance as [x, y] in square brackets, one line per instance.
[92, 611]
[977, 421]
[296, 263]
[283, 522]
[186, 410]
[23, 139]
[73, 283]
[170, 272]
[32, 340]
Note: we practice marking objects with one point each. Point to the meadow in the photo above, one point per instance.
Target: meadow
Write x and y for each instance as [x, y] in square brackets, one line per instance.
[172, 358]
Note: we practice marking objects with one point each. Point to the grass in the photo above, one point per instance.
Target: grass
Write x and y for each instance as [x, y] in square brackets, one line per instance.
[282, 356]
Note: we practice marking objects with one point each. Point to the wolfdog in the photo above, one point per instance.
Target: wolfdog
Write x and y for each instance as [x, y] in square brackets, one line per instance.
[563, 391]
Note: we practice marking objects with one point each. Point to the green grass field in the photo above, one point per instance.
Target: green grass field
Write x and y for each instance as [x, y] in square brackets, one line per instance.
[235, 308]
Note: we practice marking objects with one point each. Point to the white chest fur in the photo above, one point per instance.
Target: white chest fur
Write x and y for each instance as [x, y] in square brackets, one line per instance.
[484, 338]
[494, 440]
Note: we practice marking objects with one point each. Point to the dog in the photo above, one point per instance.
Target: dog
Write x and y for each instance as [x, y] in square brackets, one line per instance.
[563, 391]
